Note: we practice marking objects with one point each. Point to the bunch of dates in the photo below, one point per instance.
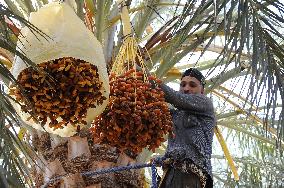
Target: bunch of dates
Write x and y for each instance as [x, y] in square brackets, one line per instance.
[137, 115]
[63, 95]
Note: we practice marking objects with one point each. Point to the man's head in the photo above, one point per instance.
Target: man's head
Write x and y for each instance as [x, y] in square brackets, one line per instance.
[192, 81]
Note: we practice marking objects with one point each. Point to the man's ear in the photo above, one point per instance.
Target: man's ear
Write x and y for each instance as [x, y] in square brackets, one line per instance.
[202, 90]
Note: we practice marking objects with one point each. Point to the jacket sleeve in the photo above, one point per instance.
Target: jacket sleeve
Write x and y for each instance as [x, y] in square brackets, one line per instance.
[196, 103]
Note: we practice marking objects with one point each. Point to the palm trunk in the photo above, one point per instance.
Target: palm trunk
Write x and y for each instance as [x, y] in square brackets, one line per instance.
[77, 154]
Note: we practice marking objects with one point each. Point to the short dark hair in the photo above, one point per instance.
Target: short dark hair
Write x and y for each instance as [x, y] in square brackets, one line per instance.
[193, 72]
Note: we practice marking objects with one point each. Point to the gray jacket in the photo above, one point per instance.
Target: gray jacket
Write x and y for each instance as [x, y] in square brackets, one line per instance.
[194, 121]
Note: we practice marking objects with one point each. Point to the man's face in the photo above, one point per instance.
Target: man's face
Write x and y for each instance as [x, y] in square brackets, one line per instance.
[191, 85]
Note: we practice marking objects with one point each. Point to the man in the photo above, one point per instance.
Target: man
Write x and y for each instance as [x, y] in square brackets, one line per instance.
[190, 147]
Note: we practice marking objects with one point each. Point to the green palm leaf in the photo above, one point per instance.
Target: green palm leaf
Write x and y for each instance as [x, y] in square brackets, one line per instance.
[15, 154]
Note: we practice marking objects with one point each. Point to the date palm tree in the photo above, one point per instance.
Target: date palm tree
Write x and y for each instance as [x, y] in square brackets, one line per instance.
[237, 44]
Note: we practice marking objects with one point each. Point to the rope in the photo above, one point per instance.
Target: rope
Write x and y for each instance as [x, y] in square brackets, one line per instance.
[154, 175]
[155, 162]
[116, 169]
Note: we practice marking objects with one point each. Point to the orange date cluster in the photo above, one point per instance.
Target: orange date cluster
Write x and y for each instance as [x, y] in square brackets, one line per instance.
[137, 115]
[63, 97]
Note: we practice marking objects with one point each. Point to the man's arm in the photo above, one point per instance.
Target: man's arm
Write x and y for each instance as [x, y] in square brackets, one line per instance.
[189, 102]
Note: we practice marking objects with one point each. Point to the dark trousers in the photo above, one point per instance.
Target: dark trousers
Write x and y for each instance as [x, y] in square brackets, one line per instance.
[175, 178]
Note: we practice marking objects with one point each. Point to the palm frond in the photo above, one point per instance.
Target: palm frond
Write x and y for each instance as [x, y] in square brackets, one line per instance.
[15, 169]
[101, 17]
[142, 19]
[15, 153]
[249, 27]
